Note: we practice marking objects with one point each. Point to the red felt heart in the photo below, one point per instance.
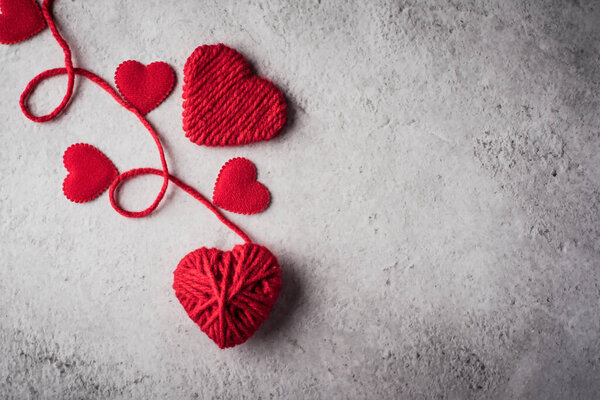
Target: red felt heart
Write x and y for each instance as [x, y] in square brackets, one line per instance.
[144, 87]
[225, 103]
[90, 172]
[19, 20]
[237, 189]
[228, 293]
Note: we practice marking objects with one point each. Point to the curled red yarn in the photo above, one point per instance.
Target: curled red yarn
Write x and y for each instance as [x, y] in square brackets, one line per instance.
[229, 294]
[71, 72]
[188, 189]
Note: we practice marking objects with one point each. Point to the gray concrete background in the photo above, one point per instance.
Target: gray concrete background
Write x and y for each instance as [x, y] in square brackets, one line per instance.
[435, 206]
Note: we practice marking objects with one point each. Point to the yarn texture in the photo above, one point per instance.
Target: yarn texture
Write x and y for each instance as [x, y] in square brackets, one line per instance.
[237, 189]
[229, 294]
[90, 172]
[144, 87]
[19, 20]
[224, 103]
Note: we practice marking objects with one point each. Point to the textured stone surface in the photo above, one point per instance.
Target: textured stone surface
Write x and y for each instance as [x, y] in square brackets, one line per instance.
[435, 206]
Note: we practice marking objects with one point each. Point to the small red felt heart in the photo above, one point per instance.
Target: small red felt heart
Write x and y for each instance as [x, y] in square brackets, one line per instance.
[237, 189]
[224, 103]
[229, 294]
[19, 20]
[90, 172]
[144, 87]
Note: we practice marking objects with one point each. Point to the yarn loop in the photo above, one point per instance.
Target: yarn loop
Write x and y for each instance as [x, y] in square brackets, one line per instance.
[71, 72]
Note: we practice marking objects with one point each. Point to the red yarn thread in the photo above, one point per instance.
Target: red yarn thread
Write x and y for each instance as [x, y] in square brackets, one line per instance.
[71, 71]
[188, 189]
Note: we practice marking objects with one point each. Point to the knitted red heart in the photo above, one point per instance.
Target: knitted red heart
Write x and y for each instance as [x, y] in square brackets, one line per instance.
[225, 103]
[19, 20]
[228, 293]
[237, 189]
[144, 87]
[90, 172]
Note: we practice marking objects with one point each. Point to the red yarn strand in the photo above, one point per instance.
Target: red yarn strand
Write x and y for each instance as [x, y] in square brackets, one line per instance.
[186, 188]
[71, 72]
[68, 66]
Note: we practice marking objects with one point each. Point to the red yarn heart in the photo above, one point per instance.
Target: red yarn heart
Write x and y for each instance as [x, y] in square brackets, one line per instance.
[90, 172]
[225, 103]
[237, 189]
[19, 20]
[228, 293]
[144, 87]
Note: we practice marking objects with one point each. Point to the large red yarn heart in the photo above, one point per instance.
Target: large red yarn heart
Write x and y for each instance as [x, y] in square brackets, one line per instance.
[90, 172]
[225, 103]
[228, 293]
[144, 87]
[237, 189]
[19, 20]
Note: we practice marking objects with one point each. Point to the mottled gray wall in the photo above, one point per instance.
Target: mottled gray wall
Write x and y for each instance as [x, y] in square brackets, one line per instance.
[435, 206]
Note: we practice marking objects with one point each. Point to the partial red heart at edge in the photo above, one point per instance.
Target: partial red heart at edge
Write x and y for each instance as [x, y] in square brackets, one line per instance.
[19, 20]
[144, 87]
[237, 189]
[90, 172]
